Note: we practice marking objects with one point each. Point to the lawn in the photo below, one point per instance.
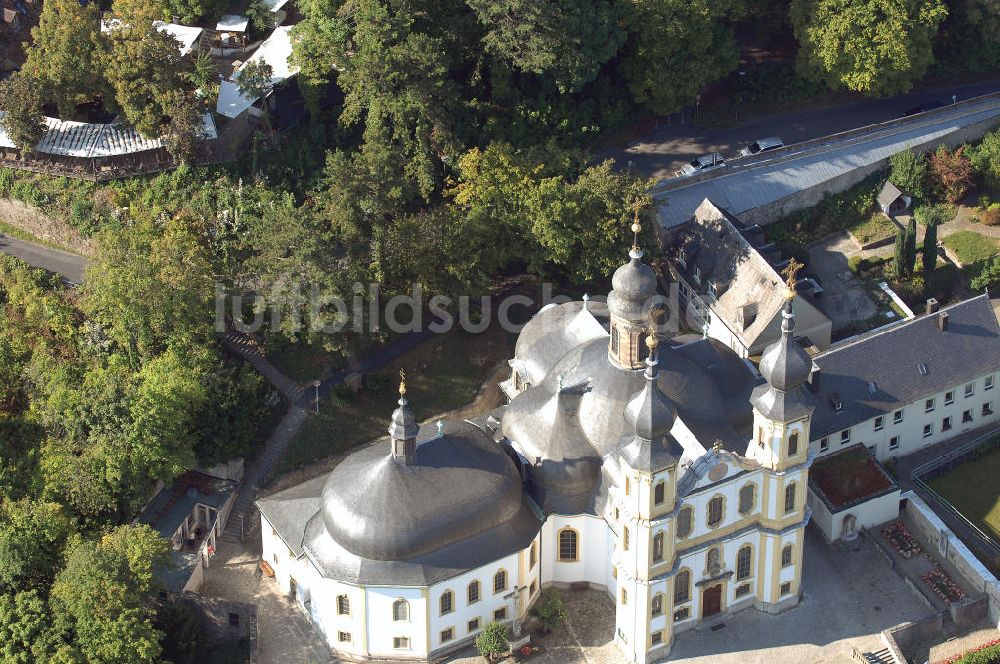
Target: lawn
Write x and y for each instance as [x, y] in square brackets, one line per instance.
[442, 374]
[873, 229]
[303, 363]
[972, 488]
[971, 247]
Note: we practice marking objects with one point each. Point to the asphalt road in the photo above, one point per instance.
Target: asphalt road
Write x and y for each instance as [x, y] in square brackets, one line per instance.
[69, 266]
[661, 152]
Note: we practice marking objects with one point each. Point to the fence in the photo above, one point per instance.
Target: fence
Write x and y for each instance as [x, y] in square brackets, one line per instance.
[986, 548]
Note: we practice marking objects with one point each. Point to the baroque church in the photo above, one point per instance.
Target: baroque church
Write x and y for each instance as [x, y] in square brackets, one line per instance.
[671, 477]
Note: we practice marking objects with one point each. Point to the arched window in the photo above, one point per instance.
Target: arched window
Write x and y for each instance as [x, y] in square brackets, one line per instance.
[400, 610]
[713, 560]
[343, 605]
[658, 546]
[625, 541]
[657, 604]
[500, 582]
[746, 498]
[793, 444]
[447, 602]
[744, 562]
[715, 511]
[684, 520]
[786, 555]
[624, 596]
[682, 587]
[532, 555]
[658, 492]
[790, 498]
[473, 594]
[614, 340]
[628, 486]
[568, 544]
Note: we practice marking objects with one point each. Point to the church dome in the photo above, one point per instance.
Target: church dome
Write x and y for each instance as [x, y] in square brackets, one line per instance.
[633, 284]
[785, 365]
[459, 484]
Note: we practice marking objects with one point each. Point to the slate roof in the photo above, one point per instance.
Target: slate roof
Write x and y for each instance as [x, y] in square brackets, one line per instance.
[888, 195]
[743, 277]
[890, 359]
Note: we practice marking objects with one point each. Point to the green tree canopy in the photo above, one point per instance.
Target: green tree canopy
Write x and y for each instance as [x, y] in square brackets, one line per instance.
[909, 172]
[21, 104]
[26, 632]
[32, 535]
[878, 47]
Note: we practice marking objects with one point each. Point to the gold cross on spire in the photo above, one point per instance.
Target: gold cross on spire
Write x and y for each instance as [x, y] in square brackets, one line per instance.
[790, 273]
[402, 382]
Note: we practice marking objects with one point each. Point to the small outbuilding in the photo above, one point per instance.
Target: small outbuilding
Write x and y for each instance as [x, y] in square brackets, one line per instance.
[850, 490]
[893, 200]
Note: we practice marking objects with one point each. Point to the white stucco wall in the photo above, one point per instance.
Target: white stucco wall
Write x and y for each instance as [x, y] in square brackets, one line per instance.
[594, 559]
[868, 514]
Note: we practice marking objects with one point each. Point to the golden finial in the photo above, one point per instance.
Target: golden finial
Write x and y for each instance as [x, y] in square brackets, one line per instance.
[636, 227]
[790, 273]
[402, 382]
[717, 446]
[652, 340]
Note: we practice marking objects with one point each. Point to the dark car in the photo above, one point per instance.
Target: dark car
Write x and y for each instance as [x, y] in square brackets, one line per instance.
[923, 108]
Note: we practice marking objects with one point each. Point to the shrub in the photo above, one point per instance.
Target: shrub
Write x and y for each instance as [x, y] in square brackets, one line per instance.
[933, 215]
[989, 278]
[7, 177]
[990, 216]
[986, 159]
[909, 172]
[857, 264]
[492, 640]
[551, 610]
[950, 174]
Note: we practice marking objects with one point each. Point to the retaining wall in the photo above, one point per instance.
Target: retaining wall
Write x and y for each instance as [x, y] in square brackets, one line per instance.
[35, 222]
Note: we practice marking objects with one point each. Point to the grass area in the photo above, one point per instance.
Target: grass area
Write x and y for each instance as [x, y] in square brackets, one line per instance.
[873, 229]
[300, 362]
[15, 232]
[972, 488]
[442, 374]
[971, 247]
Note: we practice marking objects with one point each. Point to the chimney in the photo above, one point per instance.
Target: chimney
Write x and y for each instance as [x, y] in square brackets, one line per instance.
[813, 383]
[932, 306]
[943, 321]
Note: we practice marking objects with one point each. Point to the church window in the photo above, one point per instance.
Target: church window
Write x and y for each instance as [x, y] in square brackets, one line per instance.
[343, 605]
[682, 587]
[500, 581]
[786, 588]
[625, 538]
[786, 555]
[658, 491]
[656, 638]
[684, 520]
[532, 588]
[713, 560]
[746, 498]
[657, 604]
[344, 637]
[532, 555]
[401, 643]
[473, 592]
[624, 596]
[790, 498]
[568, 545]
[628, 486]
[743, 590]
[793, 444]
[682, 614]
[400, 610]
[760, 437]
[715, 511]
[744, 559]
[447, 634]
[658, 546]
[447, 602]
[500, 614]
[614, 340]
[473, 625]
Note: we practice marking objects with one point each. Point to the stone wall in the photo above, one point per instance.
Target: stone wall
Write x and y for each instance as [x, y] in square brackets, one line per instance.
[35, 222]
[908, 634]
[216, 613]
[806, 198]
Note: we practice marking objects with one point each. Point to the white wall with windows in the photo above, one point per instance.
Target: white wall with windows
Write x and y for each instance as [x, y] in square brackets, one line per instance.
[931, 419]
[399, 616]
[594, 544]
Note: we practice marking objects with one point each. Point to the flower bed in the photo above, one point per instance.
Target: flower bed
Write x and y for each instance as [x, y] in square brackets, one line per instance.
[901, 539]
[943, 586]
[988, 653]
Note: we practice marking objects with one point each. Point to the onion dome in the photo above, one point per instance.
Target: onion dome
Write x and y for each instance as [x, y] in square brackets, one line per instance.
[403, 424]
[633, 284]
[785, 365]
[650, 414]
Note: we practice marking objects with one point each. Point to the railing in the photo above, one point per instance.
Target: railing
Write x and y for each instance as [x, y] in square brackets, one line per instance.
[987, 544]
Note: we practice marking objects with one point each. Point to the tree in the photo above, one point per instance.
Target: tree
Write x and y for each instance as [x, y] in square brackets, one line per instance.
[551, 610]
[985, 159]
[492, 640]
[567, 40]
[185, 129]
[909, 172]
[32, 535]
[143, 66]
[989, 277]
[21, 105]
[899, 255]
[202, 74]
[910, 250]
[930, 248]
[255, 82]
[950, 174]
[26, 634]
[64, 56]
[675, 48]
[966, 40]
[260, 16]
[872, 46]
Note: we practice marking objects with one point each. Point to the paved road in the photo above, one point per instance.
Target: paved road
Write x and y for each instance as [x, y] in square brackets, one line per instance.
[70, 266]
[663, 151]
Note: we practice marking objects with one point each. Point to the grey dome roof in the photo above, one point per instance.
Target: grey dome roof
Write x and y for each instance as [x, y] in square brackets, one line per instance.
[784, 364]
[554, 330]
[650, 414]
[633, 284]
[460, 484]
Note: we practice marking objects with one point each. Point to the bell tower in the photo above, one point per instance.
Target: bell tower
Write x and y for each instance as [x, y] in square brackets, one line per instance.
[629, 303]
[403, 428]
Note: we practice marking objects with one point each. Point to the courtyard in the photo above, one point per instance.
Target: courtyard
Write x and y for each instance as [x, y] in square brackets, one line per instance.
[963, 487]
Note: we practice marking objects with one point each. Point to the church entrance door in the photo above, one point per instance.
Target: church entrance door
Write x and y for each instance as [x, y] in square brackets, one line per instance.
[711, 601]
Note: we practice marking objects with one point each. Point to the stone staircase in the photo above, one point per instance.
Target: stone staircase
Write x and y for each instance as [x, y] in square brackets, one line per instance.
[250, 350]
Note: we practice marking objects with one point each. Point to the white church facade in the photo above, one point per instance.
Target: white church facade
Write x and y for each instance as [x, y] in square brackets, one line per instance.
[672, 477]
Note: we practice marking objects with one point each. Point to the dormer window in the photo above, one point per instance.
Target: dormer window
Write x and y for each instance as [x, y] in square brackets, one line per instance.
[838, 405]
[697, 274]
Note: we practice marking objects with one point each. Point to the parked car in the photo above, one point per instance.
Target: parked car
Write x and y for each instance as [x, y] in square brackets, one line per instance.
[923, 108]
[762, 145]
[706, 162]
